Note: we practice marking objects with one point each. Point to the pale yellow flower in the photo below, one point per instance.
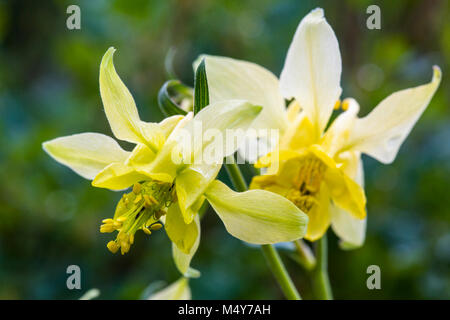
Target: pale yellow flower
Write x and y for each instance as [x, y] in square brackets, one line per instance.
[166, 191]
[320, 166]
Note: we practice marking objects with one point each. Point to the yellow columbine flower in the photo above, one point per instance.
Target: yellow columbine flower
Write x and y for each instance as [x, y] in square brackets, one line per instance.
[166, 191]
[320, 169]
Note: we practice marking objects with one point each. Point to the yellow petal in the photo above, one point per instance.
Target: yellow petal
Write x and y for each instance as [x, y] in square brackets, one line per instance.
[257, 216]
[312, 70]
[190, 184]
[118, 176]
[350, 230]
[319, 216]
[183, 260]
[178, 290]
[226, 120]
[85, 153]
[381, 133]
[121, 110]
[181, 234]
[299, 134]
[139, 166]
[230, 79]
[141, 156]
[346, 193]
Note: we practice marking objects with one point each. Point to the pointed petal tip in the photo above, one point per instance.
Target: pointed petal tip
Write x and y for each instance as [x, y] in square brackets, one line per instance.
[316, 15]
[108, 56]
[437, 73]
[44, 145]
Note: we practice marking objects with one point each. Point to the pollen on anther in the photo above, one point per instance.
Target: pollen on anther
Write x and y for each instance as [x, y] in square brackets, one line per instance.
[156, 226]
[121, 218]
[345, 105]
[112, 246]
[337, 104]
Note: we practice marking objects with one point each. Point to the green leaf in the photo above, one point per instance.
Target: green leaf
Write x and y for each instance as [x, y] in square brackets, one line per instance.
[166, 103]
[201, 92]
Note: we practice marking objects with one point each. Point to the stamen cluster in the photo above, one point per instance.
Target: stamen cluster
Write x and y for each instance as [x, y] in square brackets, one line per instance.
[140, 209]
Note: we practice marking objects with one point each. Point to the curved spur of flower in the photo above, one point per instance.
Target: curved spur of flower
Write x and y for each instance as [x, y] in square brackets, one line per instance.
[320, 169]
[172, 173]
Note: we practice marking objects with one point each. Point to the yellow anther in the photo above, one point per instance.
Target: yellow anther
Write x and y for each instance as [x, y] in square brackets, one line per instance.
[345, 105]
[156, 226]
[107, 228]
[124, 247]
[121, 218]
[337, 104]
[138, 210]
[117, 224]
[138, 198]
[112, 246]
[137, 188]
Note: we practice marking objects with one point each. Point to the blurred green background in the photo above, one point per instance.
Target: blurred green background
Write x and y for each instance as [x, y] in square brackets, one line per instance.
[49, 216]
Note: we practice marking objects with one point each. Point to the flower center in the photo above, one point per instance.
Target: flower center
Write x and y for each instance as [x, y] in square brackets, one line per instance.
[307, 183]
[140, 209]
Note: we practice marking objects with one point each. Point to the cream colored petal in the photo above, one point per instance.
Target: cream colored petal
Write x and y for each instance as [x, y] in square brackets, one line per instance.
[85, 153]
[381, 133]
[190, 184]
[217, 131]
[337, 135]
[178, 290]
[257, 216]
[121, 110]
[312, 70]
[183, 260]
[181, 234]
[169, 124]
[230, 79]
[350, 230]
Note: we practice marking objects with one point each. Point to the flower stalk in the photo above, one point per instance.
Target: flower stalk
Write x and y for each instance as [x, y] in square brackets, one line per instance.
[273, 258]
[321, 281]
[304, 256]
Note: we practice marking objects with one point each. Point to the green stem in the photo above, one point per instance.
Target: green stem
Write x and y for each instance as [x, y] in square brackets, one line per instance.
[305, 257]
[280, 273]
[235, 174]
[320, 273]
[273, 259]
